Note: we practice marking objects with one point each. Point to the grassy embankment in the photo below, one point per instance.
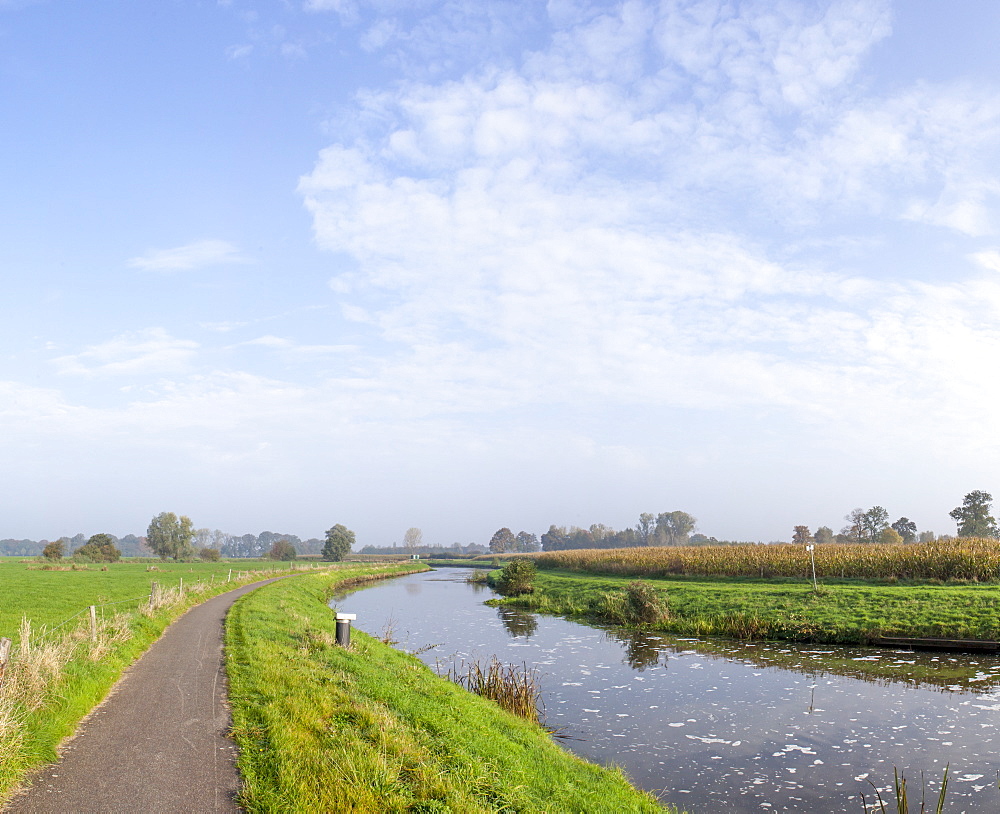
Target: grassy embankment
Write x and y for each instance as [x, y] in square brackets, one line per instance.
[58, 671]
[322, 728]
[915, 591]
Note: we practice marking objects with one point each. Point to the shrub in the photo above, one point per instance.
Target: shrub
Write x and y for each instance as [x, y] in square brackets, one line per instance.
[516, 578]
[54, 550]
[645, 605]
[282, 550]
[99, 548]
[209, 554]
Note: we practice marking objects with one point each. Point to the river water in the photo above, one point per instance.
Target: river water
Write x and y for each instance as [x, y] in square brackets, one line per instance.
[721, 726]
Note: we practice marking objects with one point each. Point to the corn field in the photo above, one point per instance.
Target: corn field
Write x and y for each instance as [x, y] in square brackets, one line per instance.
[969, 559]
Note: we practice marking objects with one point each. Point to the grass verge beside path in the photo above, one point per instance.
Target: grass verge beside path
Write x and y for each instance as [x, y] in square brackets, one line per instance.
[55, 677]
[323, 728]
[841, 612]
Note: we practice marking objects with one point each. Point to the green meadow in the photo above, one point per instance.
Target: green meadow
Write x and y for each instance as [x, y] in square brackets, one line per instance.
[841, 611]
[45, 596]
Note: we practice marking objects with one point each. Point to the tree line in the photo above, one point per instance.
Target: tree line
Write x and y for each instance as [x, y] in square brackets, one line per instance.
[664, 529]
[170, 536]
[972, 518]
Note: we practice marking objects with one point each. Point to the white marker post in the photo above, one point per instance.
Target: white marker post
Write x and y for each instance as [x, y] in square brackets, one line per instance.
[344, 628]
[812, 555]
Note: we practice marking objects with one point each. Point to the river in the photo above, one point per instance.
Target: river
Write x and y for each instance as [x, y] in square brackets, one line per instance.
[722, 726]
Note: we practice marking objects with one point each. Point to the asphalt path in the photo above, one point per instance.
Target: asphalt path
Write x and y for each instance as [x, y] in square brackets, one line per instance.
[158, 742]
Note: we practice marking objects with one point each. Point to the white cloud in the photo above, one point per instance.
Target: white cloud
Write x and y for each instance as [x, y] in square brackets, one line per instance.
[989, 259]
[239, 51]
[569, 233]
[149, 352]
[195, 255]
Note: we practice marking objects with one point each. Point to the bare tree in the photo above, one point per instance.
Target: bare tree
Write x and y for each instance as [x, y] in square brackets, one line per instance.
[413, 539]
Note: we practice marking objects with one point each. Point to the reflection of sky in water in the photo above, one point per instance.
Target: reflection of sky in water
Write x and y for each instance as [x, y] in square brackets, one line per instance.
[717, 730]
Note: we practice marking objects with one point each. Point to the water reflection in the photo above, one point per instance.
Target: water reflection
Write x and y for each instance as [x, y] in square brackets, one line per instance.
[642, 650]
[518, 622]
[731, 726]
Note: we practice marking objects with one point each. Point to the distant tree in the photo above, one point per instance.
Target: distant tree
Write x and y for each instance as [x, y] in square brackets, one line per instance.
[873, 523]
[209, 554]
[801, 535]
[854, 531]
[555, 539]
[54, 550]
[646, 528]
[890, 536]
[673, 528]
[339, 542]
[170, 536]
[926, 537]
[100, 548]
[973, 516]
[823, 535]
[281, 550]
[413, 539]
[527, 542]
[599, 533]
[503, 540]
[906, 529]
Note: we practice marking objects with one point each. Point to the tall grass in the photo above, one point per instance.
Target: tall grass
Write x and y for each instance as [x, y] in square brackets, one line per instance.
[515, 689]
[969, 559]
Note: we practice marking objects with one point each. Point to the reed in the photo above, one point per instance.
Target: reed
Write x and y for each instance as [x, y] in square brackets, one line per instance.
[514, 688]
[902, 796]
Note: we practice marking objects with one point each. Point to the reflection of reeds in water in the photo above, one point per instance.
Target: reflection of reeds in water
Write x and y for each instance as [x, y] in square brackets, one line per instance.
[513, 687]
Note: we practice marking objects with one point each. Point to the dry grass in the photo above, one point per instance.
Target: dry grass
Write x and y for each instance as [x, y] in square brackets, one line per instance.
[513, 688]
[966, 559]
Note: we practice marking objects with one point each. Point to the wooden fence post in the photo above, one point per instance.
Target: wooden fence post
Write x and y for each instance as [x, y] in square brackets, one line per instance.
[4, 655]
[154, 590]
[93, 623]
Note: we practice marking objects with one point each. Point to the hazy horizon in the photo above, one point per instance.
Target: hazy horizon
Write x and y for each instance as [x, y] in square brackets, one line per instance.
[460, 265]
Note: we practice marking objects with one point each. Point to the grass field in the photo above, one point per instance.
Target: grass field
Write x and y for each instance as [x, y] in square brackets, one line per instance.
[322, 728]
[841, 612]
[50, 597]
[59, 670]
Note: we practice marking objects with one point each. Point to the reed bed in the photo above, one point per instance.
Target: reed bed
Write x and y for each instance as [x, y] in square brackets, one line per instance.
[969, 559]
[512, 687]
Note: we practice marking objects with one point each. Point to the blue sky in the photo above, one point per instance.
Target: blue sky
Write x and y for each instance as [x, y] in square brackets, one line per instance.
[468, 265]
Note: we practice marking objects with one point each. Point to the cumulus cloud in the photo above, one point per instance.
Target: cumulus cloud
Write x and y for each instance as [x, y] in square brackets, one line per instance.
[586, 226]
[191, 256]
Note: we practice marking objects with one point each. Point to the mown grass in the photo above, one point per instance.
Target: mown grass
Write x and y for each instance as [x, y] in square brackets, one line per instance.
[58, 672]
[322, 728]
[843, 612]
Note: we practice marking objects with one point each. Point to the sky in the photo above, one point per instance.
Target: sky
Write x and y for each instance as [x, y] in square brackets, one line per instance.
[462, 265]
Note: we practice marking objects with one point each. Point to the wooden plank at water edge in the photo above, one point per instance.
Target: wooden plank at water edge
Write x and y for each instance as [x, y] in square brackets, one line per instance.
[979, 645]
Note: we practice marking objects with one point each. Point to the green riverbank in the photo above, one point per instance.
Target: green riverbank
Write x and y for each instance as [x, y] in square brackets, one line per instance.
[841, 612]
[322, 728]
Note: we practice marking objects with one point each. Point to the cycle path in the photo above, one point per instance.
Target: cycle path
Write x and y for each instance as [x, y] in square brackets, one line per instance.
[158, 742]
